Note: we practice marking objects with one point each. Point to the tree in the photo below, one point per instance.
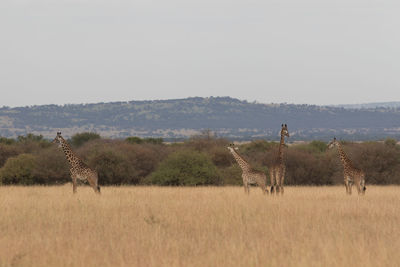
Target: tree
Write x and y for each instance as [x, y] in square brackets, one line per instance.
[18, 170]
[30, 138]
[148, 140]
[79, 139]
[134, 140]
[186, 168]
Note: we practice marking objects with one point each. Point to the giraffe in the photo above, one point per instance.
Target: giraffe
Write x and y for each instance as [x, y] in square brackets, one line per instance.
[78, 170]
[249, 175]
[350, 173]
[277, 169]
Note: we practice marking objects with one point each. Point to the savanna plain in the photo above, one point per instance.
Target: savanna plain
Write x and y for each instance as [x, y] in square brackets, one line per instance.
[198, 226]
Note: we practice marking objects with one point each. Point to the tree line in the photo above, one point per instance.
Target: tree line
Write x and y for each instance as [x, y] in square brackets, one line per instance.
[200, 160]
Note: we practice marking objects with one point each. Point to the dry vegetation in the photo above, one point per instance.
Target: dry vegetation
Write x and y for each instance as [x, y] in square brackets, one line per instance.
[204, 226]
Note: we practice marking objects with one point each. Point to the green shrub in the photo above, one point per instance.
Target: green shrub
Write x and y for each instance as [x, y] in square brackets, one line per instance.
[186, 168]
[18, 170]
[30, 143]
[134, 140]
[30, 138]
[113, 167]
[390, 142]
[303, 168]
[231, 175]
[149, 140]
[120, 163]
[79, 139]
[154, 141]
[7, 141]
[221, 157]
[51, 167]
[258, 146]
[380, 162]
[8, 151]
[313, 147]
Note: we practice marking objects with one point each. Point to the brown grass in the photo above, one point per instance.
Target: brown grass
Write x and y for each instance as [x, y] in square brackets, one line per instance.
[206, 226]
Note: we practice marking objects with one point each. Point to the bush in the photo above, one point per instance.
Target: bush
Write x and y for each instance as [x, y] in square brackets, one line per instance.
[313, 147]
[31, 143]
[303, 168]
[154, 141]
[51, 167]
[7, 141]
[221, 157]
[201, 160]
[259, 146]
[113, 167]
[205, 142]
[390, 142]
[79, 139]
[18, 170]
[380, 162]
[7, 151]
[134, 140]
[186, 168]
[138, 140]
[30, 138]
[231, 175]
[118, 162]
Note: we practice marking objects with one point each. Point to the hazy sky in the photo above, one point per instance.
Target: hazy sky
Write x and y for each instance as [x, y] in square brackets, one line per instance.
[295, 51]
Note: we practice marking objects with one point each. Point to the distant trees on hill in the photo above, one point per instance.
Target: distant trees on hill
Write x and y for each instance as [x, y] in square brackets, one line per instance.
[200, 160]
[229, 117]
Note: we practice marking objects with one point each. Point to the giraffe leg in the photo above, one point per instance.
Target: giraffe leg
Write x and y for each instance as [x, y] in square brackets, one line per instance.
[278, 182]
[93, 183]
[362, 186]
[346, 184]
[282, 181]
[74, 186]
[264, 188]
[272, 178]
[246, 187]
[350, 185]
[358, 185]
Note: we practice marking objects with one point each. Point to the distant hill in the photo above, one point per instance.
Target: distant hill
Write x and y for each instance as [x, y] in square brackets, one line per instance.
[181, 118]
[371, 105]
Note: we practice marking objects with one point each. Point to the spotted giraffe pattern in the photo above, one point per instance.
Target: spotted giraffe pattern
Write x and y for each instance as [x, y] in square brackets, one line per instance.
[78, 169]
[277, 169]
[249, 175]
[351, 174]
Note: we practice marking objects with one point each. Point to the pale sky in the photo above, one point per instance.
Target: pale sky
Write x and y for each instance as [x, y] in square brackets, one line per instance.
[294, 51]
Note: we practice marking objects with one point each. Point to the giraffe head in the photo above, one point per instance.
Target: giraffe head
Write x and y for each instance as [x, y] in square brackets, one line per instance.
[232, 147]
[284, 130]
[58, 139]
[333, 143]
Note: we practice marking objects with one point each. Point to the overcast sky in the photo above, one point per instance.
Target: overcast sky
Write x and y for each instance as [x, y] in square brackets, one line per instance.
[294, 51]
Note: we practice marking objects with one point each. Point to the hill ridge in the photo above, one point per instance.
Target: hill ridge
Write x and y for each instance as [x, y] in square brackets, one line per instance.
[181, 118]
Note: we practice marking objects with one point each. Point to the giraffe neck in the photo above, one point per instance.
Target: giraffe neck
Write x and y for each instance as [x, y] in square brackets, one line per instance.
[242, 163]
[72, 159]
[343, 157]
[281, 149]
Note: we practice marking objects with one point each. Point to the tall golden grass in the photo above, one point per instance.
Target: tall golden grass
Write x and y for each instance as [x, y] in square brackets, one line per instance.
[204, 226]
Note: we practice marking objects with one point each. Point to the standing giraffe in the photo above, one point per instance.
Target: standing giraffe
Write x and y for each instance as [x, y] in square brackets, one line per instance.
[350, 173]
[277, 169]
[249, 175]
[78, 170]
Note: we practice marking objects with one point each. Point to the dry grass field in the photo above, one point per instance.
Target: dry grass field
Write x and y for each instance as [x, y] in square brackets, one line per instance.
[204, 226]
